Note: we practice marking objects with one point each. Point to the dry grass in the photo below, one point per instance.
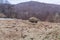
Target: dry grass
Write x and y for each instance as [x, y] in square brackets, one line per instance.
[25, 30]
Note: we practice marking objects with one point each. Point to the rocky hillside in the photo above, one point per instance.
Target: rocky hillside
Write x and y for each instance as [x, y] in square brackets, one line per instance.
[18, 29]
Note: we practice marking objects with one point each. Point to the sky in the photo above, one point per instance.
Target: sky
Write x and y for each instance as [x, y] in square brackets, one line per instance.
[44, 1]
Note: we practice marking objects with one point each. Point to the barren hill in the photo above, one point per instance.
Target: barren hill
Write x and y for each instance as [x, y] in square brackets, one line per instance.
[18, 29]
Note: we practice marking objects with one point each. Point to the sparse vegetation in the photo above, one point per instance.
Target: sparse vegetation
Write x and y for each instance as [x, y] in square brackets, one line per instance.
[24, 31]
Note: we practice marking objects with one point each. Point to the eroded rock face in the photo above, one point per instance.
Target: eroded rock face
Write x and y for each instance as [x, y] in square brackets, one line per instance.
[23, 30]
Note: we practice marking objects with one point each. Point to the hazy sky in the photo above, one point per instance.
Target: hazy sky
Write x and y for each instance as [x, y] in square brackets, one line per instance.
[46, 1]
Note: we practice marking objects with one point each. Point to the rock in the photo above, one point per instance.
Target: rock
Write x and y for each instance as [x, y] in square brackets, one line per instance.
[33, 20]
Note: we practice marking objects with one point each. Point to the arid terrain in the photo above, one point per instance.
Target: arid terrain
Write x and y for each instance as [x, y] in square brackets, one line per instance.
[17, 29]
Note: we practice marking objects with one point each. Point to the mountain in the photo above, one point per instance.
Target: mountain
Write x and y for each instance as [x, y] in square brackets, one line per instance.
[6, 9]
[25, 10]
[43, 11]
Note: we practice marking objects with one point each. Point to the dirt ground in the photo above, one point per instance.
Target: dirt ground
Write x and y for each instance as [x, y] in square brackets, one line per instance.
[24, 30]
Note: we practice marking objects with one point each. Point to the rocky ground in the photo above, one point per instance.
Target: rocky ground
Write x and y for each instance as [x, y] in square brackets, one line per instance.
[17, 29]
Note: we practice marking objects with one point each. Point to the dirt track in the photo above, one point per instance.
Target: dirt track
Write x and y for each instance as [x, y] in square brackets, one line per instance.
[24, 30]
